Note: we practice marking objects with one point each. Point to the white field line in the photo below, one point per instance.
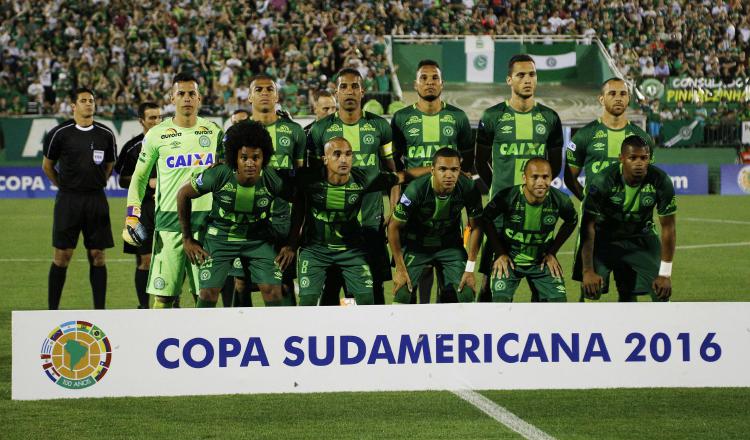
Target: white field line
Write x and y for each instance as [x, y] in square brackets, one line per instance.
[689, 246]
[715, 220]
[502, 415]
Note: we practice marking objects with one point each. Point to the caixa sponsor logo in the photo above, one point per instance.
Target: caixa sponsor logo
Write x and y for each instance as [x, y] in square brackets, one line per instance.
[190, 160]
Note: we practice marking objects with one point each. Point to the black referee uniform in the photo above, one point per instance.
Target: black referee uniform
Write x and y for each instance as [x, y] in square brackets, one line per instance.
[81, 154]
[125, 166]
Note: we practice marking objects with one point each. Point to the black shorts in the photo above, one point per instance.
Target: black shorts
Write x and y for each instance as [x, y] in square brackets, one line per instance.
[81, 212]
[377, 253]
[148, 207]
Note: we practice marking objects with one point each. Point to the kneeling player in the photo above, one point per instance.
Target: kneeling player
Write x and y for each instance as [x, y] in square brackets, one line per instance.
[427, 221]
[618, 232]
[333, 236]
[243, 192]
[528, 244]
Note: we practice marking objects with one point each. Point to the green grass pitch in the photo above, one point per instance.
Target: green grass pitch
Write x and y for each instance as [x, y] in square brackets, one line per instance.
[711, 264]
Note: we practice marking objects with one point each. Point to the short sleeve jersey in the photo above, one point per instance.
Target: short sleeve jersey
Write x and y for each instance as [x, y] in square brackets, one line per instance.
[178, 153]
[371, 140]
[81, 154]
[515, 138]
[623, 211]
[289, 142]
[433, 221]
[417, 136]
[331, 217]
[240, 213]
[128, 158]
[528, 230]
[595, 146]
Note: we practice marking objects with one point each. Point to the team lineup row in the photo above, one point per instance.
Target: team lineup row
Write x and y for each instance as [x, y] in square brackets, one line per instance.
[272, 197]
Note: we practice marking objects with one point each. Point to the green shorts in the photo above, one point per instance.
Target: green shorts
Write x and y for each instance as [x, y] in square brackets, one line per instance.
[452, 261]
[170, 266]
[311, 273]
[281, 237]
[550, 289]
[259, 256]
[634, 261]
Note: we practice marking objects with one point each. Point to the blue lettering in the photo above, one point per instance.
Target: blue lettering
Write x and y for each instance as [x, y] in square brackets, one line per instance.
[534, 348]
[252, 345]
[467, 345]
[488, 347]
[180, 162]
[422, 347]
[170, 161]
[346, 359]
[558, 342]
[314, 358]
[443, 349]
[381, 343]
[228, 348]
[161, 357]
[289, 346]
[187, 353]
[597, 340]
[501, 348]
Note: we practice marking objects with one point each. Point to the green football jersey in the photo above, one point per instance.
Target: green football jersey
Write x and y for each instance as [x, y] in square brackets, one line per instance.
[434, 221]
[331, 217]
[178, 153]
[623, 211]
[289, 142]
[417, 136]
[240, 213]
[515, 138]
[370, 138]
[595, 146]
[528, 230]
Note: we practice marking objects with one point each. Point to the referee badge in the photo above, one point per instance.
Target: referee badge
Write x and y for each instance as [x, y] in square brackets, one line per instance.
[98, 157]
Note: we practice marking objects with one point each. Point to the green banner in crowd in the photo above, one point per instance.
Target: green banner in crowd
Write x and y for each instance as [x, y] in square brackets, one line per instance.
[554, 62]
[692, 90]
[682, 133]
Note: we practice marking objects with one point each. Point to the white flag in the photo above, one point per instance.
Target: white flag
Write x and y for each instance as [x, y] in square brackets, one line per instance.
[480, 59]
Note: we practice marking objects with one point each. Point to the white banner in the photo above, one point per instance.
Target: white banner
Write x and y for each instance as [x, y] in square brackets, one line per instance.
[66, 354]
[554, 62]
[746, 132]
[480, 59]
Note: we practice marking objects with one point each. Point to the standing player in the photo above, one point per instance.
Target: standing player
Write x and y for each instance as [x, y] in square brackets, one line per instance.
[370, 138]
[526, 246]
[241, 221]
[618, 230]
[149, 115]
[179, 147]
[511, 133]
[597, 145]
[425, 127]
[427, 222]
[78, 159]
[330, 202]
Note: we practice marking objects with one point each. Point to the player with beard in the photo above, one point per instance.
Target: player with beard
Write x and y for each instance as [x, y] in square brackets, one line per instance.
[511, 133]
[423, 128]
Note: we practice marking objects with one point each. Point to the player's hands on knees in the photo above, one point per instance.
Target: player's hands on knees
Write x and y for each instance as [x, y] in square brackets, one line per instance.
[502, 266]
[592, 284]
[401, 277]
[194, 251]
[285, 257]
[663, 287]
[550, 261]
[467, 279]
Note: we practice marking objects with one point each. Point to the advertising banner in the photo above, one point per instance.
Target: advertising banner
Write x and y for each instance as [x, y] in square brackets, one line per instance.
[692, 90]
[735, 179]
[688, 179]
[32, 183]
[69, 354]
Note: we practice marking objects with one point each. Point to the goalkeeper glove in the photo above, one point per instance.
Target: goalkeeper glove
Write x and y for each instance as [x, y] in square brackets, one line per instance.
[134, 232]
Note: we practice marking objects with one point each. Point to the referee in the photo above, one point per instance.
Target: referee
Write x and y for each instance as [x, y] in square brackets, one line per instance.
[78, 159]
[149, 115]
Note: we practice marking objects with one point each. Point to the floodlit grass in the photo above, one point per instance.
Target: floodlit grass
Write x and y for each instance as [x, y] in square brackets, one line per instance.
[705, 274]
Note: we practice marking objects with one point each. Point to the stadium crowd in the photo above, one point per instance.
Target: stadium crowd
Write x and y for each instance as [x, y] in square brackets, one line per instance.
[128, 52]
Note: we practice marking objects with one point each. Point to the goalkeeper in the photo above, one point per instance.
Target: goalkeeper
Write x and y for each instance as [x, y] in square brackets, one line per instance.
[179, 147]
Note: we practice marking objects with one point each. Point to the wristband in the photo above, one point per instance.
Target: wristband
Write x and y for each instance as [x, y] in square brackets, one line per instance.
[134, 211]
[665, 269]
[470, 266]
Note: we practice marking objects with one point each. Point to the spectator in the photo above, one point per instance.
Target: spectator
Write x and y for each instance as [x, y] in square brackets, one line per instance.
[661, 71]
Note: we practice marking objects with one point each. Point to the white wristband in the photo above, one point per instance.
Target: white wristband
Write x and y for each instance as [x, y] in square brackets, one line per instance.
[665, 270]
[470, 266]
